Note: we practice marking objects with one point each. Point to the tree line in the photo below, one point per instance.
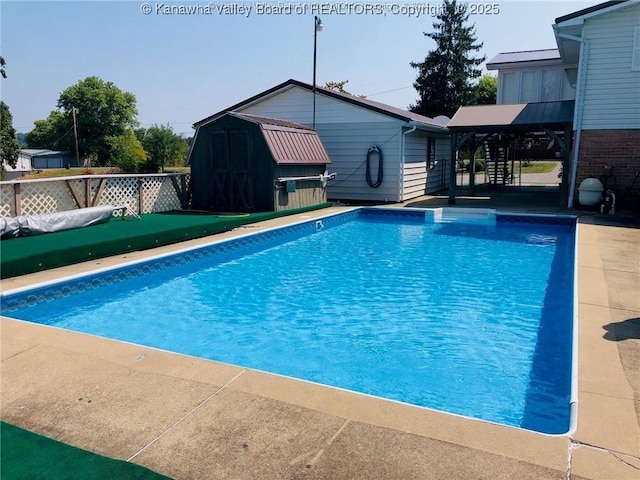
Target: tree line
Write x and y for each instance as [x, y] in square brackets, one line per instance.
[106, 130]
[98, 121]
[103, 118]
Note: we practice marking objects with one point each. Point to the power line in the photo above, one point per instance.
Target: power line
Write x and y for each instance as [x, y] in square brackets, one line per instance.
[389, 91]
[64, 135]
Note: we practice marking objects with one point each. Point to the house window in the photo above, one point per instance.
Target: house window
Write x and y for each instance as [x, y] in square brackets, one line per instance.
[530, 87]
[550, 85]
[509, 88]
[635, 56]
[431, 153]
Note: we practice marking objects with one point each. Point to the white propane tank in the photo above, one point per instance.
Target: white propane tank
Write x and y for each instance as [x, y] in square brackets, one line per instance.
[590, 192]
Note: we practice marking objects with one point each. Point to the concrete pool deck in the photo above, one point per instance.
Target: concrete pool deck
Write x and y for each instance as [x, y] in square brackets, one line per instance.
[195, 419]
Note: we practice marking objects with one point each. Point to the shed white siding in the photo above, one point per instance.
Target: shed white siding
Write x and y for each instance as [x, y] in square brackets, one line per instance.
[418, 177]
[612, 90]
[347, 145]
[347, 132]
[296, 104]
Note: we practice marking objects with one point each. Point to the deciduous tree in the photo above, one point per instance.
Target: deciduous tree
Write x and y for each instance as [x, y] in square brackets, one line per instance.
[486, 91]
[126, 151]
[103, 113]
[164, 148]
[54, 132]
[8, 140]
[339, 87]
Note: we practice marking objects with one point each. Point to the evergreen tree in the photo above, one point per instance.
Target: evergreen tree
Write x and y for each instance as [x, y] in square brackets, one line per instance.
[445, 77]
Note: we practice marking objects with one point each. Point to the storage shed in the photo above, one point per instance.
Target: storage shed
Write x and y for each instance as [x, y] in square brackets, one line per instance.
[246, 163]
[380, 153]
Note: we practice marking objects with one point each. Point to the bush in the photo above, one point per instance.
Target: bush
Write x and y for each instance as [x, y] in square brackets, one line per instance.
[466, 165]
[127, 152]
[150, 165]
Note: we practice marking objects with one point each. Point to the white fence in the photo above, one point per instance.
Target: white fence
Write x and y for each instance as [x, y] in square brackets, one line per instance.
[141, 193]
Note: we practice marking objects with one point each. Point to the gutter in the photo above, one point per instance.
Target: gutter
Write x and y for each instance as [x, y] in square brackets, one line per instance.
[579, 106]
[402, 149]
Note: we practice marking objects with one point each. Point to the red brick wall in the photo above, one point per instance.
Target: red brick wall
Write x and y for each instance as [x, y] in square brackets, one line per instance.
[619, 149]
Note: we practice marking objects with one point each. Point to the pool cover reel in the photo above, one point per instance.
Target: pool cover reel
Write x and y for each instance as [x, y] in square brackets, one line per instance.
[26, 225]
[370, 182]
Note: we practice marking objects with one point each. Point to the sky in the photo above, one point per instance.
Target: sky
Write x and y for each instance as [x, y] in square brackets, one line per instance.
[185, 67]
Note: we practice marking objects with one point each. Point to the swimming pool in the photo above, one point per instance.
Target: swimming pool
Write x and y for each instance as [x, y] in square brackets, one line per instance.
[471, 316]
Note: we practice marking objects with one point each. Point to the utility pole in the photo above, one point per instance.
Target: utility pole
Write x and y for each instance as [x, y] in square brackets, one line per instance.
[317, 27]
[75, 134]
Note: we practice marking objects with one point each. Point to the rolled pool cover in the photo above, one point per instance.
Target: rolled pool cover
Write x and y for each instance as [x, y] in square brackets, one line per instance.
[27, 225]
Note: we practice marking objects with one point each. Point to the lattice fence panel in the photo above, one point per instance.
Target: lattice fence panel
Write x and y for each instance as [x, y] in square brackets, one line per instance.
[119, 192]
[159, 195]
[52, 196]
[46, 197]
[7, 201]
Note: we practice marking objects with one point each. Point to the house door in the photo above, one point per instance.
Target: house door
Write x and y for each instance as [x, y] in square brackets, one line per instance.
[231, 172]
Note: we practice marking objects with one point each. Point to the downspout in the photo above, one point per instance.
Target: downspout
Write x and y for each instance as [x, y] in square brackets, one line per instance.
[577, 116]
[401, 176]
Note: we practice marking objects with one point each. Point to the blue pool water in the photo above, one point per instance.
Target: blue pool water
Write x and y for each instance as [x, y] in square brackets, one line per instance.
[469, 319]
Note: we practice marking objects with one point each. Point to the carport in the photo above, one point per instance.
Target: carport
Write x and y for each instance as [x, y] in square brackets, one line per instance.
[471, 126]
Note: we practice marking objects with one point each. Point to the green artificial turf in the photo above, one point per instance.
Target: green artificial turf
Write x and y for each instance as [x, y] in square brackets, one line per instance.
[19, 256]
[29, 456]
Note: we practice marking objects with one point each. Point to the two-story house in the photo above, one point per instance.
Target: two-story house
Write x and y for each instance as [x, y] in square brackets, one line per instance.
[595, 69]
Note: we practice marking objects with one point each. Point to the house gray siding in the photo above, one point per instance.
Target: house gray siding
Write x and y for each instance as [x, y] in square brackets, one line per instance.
[418, 179]
[612, 90]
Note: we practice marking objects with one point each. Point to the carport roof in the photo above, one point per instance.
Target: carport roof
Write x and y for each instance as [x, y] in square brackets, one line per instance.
[515, 117]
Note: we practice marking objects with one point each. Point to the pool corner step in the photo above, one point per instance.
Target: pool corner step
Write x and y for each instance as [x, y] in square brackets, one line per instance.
[483, 216]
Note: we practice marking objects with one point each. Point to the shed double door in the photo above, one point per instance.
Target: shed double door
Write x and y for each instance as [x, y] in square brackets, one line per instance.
[232, 170]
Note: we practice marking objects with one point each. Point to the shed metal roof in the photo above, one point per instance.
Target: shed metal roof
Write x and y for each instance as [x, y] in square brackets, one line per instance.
[290, 143]
[521, 116]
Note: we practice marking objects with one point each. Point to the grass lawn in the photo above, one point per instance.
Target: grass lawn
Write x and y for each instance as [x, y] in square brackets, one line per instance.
[72, 172]
[66, 172]
[533, 167]
[539, 167]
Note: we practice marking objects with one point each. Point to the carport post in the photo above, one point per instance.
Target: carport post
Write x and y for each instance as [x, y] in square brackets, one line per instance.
[472, 165]
[452, 169]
